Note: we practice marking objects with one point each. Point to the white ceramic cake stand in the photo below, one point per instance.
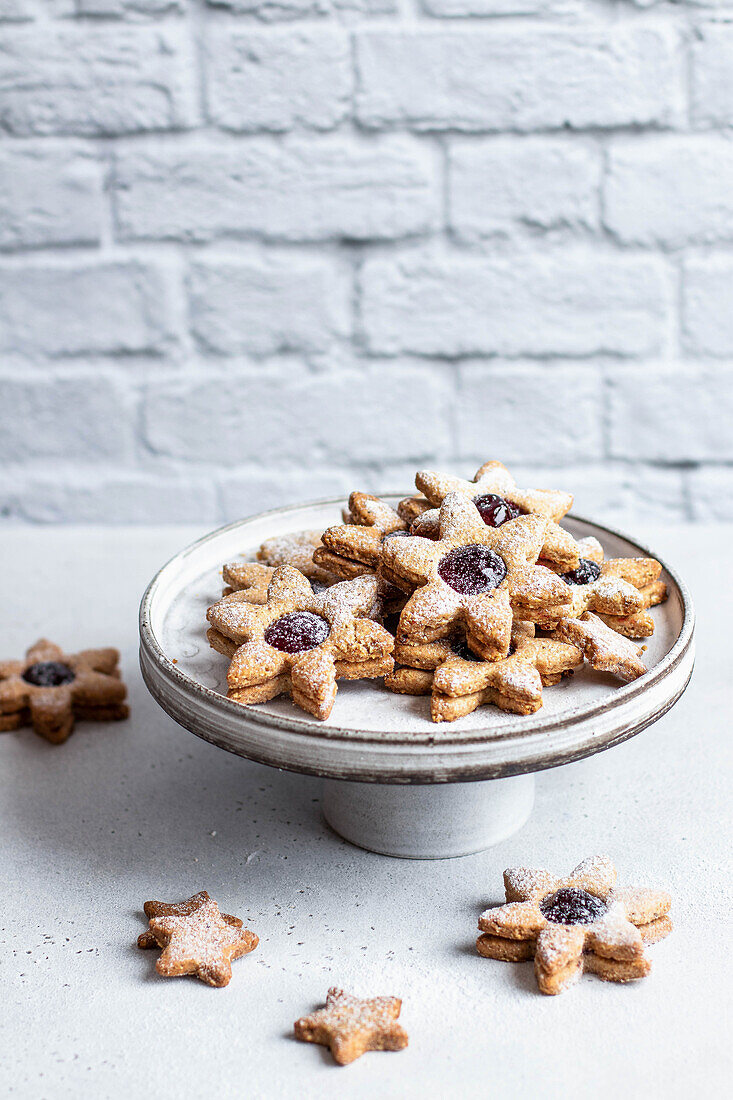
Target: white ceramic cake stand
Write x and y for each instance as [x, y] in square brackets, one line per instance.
[395, 782]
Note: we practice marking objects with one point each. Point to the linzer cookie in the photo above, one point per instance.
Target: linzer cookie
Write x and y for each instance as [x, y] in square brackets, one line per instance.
[300, 642]
[459, 681]
[350, 1026]
[513, 684]
[468, 579]
[581, 923]
[354, 548]
[196, 939]
[499, 500]
[50, 690]
[612, 587]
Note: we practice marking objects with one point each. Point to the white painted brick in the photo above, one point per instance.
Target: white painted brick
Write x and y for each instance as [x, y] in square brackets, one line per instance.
[77, 495]
[617, 493]
[450, 9]
[553, 413]
[707, 306]
[479, 80]
[270, 11]
[296, 189]
[95, 79]
[671, 190]
[453, 9]
[16, 11]
[712, 75]
[499, 185]
[711, 494]
[77, 416]
[277, 79]
[297, 416]
[122, 7]
[258, 489]
[672, 413]
[49, 194]
[83, 307]
[533, 304]
[267, 306]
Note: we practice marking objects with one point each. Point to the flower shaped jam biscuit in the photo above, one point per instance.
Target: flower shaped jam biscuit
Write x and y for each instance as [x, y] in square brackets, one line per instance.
[459, 681]
[617, 588]
[499, 500]
[512, 684]
[300, 642]
[584, 922]
[469, 578]
[51, 689]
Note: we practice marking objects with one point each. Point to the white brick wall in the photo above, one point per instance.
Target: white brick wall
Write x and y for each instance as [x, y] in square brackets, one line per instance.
[258, 250]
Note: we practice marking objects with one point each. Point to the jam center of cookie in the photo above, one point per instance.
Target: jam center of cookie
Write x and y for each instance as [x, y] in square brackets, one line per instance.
[395, 535]
[571, 906]
[586, 572]
[297, 631]
[460, 648]
[471, 570]
[48, 674]
[494, 510]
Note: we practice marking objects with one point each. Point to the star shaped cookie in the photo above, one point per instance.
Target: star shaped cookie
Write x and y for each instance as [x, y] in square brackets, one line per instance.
[513, 684]
[50, 690]
[469, 578]
[583, 922]
[146, 940]
[196, 939]
[300, 642]
[351, 1026]
[614, 587]
[500, 499]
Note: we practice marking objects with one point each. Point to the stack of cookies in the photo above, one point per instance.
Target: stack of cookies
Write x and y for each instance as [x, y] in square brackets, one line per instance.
[470, 592]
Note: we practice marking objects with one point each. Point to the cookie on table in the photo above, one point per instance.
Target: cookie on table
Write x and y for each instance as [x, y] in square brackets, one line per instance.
[51, 690]
[196, 939]
[570, 925]
[470, 577]
[299, 642]
[499, 500]
[350, 1026]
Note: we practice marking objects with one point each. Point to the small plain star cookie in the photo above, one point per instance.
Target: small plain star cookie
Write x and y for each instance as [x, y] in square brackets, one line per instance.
[351, 1026]
[196, 939]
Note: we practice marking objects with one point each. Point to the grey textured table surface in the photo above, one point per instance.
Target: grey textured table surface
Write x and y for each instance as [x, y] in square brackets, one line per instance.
[125, 812]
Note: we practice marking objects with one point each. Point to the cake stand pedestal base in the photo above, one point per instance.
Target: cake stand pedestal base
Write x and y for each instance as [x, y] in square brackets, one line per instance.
[428, 821]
